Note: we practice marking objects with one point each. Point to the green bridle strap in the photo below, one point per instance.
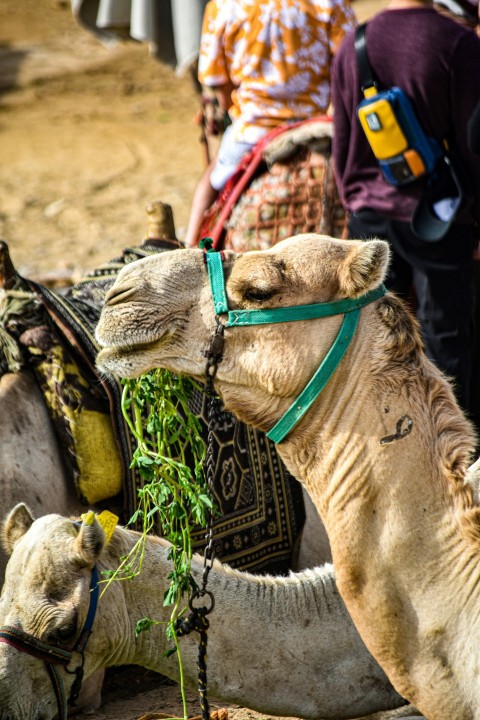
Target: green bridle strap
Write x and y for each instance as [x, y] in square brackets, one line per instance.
[330, 363]
[214, 262]
[237, 318]
[301, 312]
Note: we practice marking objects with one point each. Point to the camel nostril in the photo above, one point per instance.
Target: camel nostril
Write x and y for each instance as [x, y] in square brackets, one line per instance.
[118, 295]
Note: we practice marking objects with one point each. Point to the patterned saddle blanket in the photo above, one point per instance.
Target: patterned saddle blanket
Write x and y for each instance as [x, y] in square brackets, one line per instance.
[261, 504]
[284, 187]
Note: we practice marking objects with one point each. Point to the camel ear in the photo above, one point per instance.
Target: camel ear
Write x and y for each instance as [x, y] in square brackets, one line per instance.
[16, 524]
[364, 267]
[89, 542]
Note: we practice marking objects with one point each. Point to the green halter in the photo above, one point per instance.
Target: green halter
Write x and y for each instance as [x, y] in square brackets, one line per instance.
[350, 308]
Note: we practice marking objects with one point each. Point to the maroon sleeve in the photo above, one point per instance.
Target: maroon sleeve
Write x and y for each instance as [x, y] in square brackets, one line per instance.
[341, 117]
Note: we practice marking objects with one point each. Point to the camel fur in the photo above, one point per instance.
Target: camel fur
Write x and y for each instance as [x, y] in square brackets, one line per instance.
[383, 451]
[32, 469]
[284, 646]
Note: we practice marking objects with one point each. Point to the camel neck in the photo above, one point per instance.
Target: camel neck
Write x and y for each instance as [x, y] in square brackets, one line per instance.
[385, 468]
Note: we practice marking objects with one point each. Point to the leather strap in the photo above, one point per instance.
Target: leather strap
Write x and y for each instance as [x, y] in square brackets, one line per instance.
[26, 643]
[367, 78]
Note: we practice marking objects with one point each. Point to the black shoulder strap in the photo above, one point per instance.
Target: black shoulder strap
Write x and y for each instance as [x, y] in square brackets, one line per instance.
[367, 78]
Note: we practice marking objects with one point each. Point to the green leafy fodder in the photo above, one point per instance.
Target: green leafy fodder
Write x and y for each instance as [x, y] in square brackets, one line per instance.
[173, 498]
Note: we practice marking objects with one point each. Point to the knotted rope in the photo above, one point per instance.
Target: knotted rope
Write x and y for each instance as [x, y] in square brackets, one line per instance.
[16, 307]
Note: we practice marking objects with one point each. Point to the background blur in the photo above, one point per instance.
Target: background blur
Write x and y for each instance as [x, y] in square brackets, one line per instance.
[89, 134]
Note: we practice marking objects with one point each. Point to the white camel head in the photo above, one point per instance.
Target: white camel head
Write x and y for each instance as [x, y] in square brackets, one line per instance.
[46, 597]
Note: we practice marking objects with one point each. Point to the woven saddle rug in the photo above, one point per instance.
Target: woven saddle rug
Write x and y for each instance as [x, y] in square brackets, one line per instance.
[284, 187]
[261, 511]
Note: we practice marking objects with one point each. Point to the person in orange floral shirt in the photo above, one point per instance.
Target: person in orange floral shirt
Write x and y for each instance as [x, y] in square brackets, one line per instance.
[269, 64]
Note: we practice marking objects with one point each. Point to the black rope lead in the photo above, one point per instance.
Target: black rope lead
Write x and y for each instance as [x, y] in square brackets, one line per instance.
[198, 621]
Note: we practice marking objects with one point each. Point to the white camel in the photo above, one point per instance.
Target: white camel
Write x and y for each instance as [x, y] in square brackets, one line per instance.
[285, 646]
[383, 450]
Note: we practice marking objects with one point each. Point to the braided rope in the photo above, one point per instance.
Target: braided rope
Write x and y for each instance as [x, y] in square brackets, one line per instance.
[32, 646]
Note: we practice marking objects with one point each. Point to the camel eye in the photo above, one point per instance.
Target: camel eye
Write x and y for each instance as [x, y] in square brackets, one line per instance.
[258, 295]
[64, 633]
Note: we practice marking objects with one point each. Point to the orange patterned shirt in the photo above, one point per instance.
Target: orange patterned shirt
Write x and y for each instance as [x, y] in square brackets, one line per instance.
[277, 53]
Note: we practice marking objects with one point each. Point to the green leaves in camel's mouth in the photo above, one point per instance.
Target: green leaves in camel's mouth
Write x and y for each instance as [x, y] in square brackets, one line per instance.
[173, 499]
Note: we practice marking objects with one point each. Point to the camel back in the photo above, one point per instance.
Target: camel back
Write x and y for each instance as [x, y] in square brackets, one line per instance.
[261, 505]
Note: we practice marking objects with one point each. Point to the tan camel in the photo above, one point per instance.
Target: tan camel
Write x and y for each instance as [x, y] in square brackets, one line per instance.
[284, 646]
[383, 450]
[32, 467]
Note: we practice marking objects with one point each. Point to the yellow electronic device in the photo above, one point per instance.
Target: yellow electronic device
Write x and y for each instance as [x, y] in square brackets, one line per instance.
[403, 150]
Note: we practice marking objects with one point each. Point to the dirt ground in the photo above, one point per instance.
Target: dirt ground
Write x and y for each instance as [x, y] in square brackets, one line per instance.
[89, 135]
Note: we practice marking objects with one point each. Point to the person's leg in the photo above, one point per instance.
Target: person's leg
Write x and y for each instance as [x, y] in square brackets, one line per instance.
[369, 225]
[443, 278]
[230, 154]
[203, 197]
[445, 312]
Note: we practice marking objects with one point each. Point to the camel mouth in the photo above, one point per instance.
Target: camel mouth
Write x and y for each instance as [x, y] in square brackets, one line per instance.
[132, 338]
[129, 349]
[133, 347]
[113, 357]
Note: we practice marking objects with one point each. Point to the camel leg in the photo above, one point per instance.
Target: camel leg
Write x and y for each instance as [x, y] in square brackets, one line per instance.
[91, 696]
[32, 469]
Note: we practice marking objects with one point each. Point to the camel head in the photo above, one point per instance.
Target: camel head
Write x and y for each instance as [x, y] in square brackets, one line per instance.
[46, 596]
[160, 313]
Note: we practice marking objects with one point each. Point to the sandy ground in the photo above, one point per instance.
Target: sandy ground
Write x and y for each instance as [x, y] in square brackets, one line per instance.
[89, 135]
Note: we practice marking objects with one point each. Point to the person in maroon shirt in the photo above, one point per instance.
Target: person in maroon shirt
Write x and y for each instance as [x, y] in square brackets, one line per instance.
[436, 62]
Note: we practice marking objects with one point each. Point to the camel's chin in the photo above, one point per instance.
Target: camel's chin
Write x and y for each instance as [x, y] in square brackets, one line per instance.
[124, 362]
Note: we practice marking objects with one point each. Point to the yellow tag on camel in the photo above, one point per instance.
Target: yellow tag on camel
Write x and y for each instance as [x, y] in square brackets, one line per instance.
[106, 519]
